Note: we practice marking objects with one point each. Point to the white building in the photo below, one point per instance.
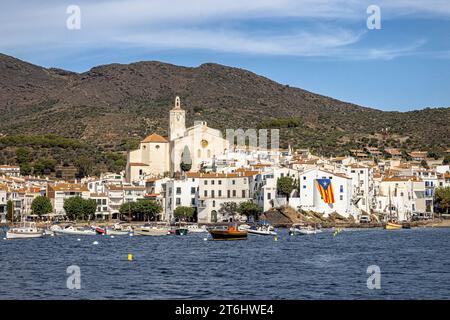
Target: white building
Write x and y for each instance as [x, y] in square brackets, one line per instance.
[157, 155]
[180, 193]
[214, 189]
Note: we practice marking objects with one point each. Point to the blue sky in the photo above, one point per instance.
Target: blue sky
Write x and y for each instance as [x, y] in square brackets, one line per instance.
[319, 45]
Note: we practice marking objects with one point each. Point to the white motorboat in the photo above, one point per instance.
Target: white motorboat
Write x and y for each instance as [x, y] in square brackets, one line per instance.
[195, 228]
[263, 230]
[71, 230]
[300, 229]
[114, 232]
[24, 230]
[151, 231]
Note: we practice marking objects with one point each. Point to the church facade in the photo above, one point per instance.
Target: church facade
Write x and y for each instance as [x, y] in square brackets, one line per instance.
[159, 156]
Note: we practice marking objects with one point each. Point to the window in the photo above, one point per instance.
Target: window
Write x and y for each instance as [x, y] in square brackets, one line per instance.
[104, 201]
[228, 193]
[192, 190]
[304, 178]
[178, 201]
[341, 197]
[214, 204]
[233, 181]
[220, 193]
[220, 181]
[212, 193]
[243, 193]
[282, 175]
[193, 201]
[341, 189]
[304, 186]
[206, 193]
[269, 196]
[234, 193]
[213, 181]
[178, 190]
[205, 182]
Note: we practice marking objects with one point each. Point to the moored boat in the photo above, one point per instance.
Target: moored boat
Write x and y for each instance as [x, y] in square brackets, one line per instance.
[25, 230]
[151, 231]
[230, 233]
[179, 231]
[301, 229]
[392, 226]
[195, 228]
[263, 228]
[71, 230]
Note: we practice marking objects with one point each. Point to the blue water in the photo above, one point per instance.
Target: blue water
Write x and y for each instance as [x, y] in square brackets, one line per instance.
[415, 264]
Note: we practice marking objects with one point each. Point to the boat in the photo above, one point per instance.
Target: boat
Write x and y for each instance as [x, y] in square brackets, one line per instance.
[151, 231]
[195, 228]
[179, 231]
[263, 228]
[300, 229]
[230, 233]
[71, 230]
[25, 230]
[392, 226]
[99, 230]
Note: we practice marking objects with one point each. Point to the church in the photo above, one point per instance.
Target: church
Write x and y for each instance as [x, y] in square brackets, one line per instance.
[159, 156]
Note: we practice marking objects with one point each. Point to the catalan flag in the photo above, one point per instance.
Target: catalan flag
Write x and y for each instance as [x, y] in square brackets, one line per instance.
[326, 190]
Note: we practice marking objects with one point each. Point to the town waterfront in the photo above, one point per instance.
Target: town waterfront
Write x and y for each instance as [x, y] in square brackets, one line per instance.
[414, 264]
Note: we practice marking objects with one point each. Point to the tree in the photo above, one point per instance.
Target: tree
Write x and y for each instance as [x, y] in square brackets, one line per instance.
[184, 212]
[23, 155]
[285, 185]
[186, 161]
[249, 208]
[79, 208]
[44, 166]
[424, 164]
[228, 209]
[446, 160]
[10, 210]
[127, 209]
[84, 165]
[148, 208]
[25, 169]
[442, 197]
[41, 205]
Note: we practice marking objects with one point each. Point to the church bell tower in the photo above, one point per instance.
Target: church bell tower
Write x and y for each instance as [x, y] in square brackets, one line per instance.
[177, 121]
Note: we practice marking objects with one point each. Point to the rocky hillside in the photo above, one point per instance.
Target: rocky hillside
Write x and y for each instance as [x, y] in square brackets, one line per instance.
[111, 107]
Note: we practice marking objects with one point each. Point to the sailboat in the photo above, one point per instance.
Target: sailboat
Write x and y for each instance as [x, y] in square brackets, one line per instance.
[392, 224]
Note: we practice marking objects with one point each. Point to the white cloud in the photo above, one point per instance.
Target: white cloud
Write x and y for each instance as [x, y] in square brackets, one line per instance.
[206, 24]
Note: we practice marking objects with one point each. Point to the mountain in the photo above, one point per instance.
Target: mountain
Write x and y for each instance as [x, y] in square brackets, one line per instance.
[111, 107]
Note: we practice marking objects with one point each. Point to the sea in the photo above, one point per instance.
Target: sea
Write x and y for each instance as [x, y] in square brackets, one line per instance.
[352, 264]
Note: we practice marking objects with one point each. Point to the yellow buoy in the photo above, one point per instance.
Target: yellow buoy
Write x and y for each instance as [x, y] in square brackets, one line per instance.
[130, 257]
[276, 238]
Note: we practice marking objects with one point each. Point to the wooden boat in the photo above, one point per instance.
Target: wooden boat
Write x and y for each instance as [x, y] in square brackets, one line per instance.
[24, 231]
[230, 233]
[392, 226]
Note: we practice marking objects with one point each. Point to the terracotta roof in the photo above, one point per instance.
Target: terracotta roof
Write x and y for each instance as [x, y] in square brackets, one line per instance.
[212, 175]
[155, 138]
[403, 178]
[68, 187]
